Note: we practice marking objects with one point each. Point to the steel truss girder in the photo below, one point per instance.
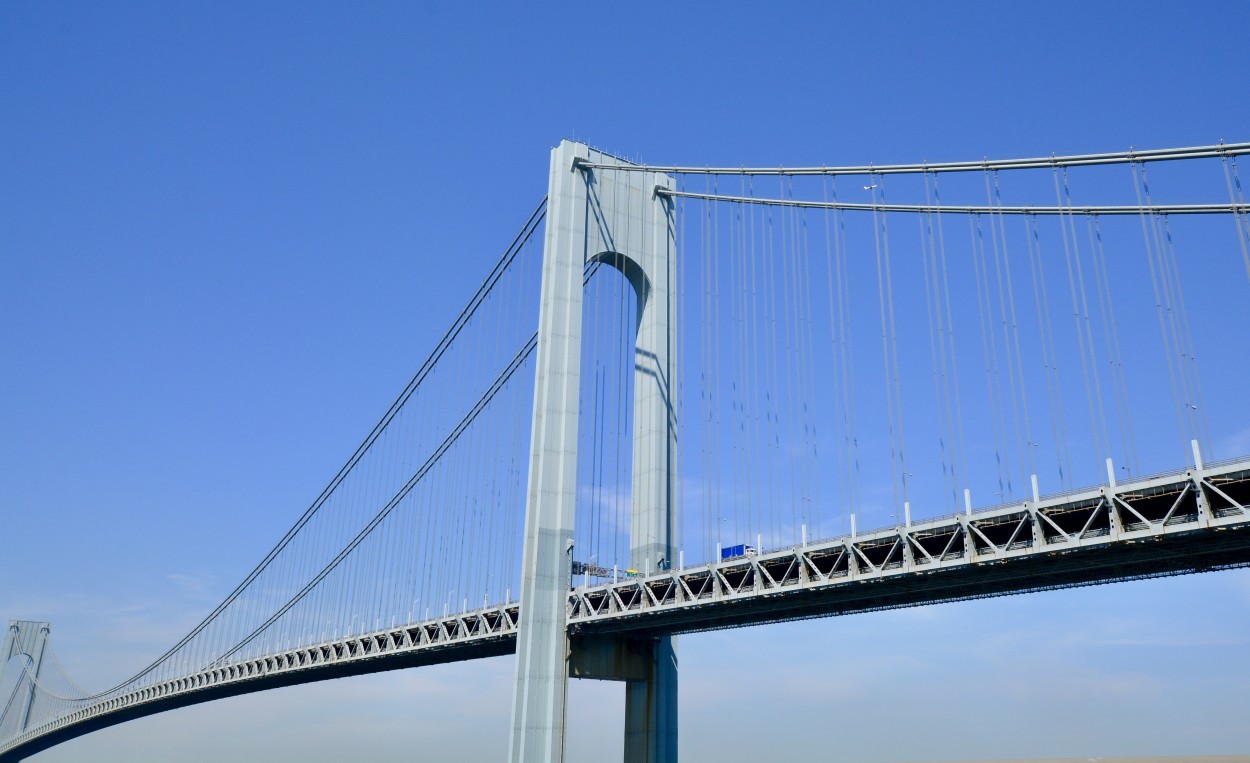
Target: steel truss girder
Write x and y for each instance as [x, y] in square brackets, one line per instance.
[1091, 525]
[1196, 508]
[483, 632]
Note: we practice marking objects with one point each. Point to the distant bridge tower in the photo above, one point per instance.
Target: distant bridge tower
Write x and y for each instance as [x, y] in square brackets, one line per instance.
[27, 639]
[618, 219]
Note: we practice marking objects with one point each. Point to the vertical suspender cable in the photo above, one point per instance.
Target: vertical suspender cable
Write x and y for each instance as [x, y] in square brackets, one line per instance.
[1011, 335]
[952, 380]
[758, 259]
[711, 531]
[830, 267]
[847, 348]
[1242, 219]
[1197, 409]
[1119, 384]
[1165, 335]
[680, 278]
[1068, 221]
[771, 387]
[741, 299]
[937, 346]
[1050, 359]
[789, 296]
[735, 441]
[808, 350]
[889, 349]
[988, 346]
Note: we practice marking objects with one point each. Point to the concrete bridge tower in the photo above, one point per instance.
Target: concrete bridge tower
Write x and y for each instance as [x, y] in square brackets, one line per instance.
[29, 639]
[617, 218]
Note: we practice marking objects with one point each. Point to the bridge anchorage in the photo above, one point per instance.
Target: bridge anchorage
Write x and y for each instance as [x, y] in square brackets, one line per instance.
[664, 433]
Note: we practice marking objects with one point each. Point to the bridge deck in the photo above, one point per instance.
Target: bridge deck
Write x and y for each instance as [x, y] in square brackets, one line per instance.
[1185, 522]
[1173, 524]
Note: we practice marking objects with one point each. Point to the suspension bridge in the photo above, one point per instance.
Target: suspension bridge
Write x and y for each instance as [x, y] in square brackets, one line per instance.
[693, 398]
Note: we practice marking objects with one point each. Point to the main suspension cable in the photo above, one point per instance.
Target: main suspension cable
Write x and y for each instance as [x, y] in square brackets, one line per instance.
[1159, 209]
[1119, 157]
[431, 361]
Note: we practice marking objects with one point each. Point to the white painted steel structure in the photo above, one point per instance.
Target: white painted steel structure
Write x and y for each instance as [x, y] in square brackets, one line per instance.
[604, 212]
[1209, 508]
[1088, 529]
[482, 633]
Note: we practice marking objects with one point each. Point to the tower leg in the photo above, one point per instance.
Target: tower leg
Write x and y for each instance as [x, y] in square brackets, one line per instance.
[30, 639]
[651, 705]
[651, 709]
[540, 696]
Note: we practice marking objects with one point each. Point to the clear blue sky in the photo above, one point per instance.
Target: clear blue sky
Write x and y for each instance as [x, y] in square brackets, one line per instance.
[230, 232]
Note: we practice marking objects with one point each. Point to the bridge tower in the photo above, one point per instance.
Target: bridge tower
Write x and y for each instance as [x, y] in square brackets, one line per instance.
[616, 218]
[28, 638]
